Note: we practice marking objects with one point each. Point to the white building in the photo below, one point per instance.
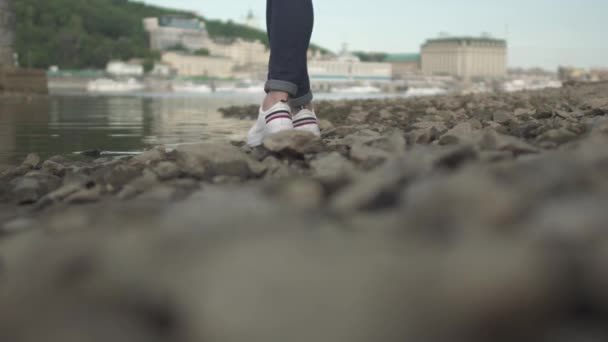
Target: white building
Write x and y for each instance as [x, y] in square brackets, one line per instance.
[163, 70]
[171, 31]
[120, 68]
[189, 65]
[251, 20]
[242, 52]
[346, 67]
[465, 57]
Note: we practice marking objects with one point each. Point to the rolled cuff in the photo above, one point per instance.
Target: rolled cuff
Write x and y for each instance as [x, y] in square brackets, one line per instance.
[277, 85]
[301, 101]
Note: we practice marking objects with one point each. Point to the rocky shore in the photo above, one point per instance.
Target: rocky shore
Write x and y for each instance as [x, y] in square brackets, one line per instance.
[454, 218]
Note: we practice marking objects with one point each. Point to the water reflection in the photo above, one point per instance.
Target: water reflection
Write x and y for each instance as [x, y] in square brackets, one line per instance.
[65, 124]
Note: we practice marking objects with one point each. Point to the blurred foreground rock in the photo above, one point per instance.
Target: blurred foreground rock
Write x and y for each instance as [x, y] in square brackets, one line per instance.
[442, 219]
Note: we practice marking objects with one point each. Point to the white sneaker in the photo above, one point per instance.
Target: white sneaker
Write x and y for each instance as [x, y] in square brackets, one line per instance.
[275, 119]
[306, 120]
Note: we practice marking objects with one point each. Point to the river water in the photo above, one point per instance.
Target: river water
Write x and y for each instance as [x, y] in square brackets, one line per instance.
[68, 123]
[62, 124]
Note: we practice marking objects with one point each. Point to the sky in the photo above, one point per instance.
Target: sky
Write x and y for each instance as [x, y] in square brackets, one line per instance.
[540, 33]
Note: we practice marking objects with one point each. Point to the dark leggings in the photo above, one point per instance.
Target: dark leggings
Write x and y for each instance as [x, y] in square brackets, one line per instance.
[289, 24]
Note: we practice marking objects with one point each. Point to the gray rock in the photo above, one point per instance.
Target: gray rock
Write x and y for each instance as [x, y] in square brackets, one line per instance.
[275, 168]
[86, 195]
[425, 132]
[325, 125]
[16, 226]
[166, 170]
[32, 160]
[150, 156]
[558, 136]
[368, 157]
[491, 140]
[53, 168]
[374, 190]
[208, 160]
[461, 133]
[158, 193]
[504, 117]
[293, 142]
[116, 175]
[332, 168]
[147, 180]
[302, 194]
[29, 189]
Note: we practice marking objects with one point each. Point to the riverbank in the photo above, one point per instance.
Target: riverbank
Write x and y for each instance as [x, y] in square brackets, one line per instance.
[471, 218]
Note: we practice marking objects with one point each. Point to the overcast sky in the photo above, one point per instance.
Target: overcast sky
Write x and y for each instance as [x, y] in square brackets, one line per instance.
[544, 33]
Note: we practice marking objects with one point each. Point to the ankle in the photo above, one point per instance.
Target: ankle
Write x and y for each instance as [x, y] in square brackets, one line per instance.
[273, 98]
[308, 106]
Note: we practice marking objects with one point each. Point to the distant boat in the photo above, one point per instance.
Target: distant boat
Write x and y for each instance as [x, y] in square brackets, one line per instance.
[357, 90]
[106, 85]
[191, 87]
[425, 91]
[243, 88]
[519, 85]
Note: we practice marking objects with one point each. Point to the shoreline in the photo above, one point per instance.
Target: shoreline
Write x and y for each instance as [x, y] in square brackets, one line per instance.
[455, 213]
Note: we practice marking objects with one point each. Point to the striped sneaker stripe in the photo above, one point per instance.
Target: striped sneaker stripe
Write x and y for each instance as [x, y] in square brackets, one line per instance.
[305, 122]
[278, 117]
[310, 118]
[281, 111]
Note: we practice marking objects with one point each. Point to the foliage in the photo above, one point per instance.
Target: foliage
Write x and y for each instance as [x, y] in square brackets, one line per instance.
[370, 56]
[202, 52]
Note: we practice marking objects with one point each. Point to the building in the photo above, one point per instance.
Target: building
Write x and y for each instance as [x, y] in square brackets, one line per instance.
[349, 71]
[403, 64]
[189, 65]
[6, 34]
[162, 70]
[465, 57]
[347, 68]
[171, 31]
[251, 21]
[120, 68]
[242, 52]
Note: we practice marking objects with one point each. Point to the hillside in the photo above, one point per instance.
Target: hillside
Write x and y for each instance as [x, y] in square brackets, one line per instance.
[76, 34]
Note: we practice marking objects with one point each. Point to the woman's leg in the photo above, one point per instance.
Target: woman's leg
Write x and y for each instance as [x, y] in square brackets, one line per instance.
[290, 25]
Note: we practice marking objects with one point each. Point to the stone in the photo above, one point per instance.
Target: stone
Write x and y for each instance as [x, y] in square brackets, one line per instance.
[116, 176]
[32, 160]
[146, 181]
[519, 112]
[293, 142]
[86, 195]
[16, 226]
[374, 190]
[558, 136]
[461, 133]
[208, 160]
[491, 140]
[275, 168]
[303, 194]
[29, 189]
[166, 170]
[371, 152]
[368, 157]
[158, 193]
[325, 125]
[150, 156]
[503, 117]
[453, 157]
[53, 168]
[332, 168]
[437, 125]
